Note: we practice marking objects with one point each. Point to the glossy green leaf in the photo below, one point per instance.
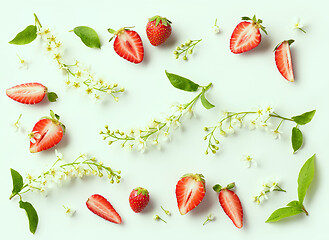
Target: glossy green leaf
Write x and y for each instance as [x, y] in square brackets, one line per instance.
[295, 204]
[217, 188]
[88, 36]
[283, 213]
[305, 178]
[17, 181]
[304, 118]
[31, 215]
[26, 36]
[182, 83]
[296, 139]
[52, 97]
[205, 102]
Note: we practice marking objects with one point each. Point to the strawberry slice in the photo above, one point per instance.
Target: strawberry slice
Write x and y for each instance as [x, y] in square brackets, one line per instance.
[128, 44]
[230, 203]
[246, 35]
[46, 133]
[190, 190]
[103, 208]
[30, 93]
[283, 59]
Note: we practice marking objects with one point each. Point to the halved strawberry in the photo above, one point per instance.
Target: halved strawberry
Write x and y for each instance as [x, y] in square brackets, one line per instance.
[46, 133]
[128, 44]
[103, 208]
[30, 93]
[230, 203]
[283, 59]
[190, 190]
[246, 35]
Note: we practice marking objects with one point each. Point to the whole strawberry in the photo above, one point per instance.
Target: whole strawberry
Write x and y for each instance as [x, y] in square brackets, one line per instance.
[158, 30]
[138, 199]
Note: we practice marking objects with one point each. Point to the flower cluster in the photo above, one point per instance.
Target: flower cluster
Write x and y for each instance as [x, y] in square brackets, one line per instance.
[61, 172]
[231, 121]
[267, 188]
[78, 76]
[186, 48]
[153, 133]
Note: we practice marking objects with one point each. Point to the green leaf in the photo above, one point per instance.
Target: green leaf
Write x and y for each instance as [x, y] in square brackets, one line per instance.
[31, 214]
[52, 97]
[245, 18]
[305, 178]
[295, 204]
[182, 83]
[304, 118]
[296, 139]
[88, 36]
[17, 181]
[217, 188]
[205, 102]
[52, 114]
[290, 41]
[26, 36]
[283, 213]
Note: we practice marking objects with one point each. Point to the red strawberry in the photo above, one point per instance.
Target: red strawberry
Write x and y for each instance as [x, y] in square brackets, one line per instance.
[138, 199]
[158, 30]
[128, 44]
[283, 59]
[230, 203]
[190, 191]
[246, 35]
[46, 133]
[103, 208]
[30, 93]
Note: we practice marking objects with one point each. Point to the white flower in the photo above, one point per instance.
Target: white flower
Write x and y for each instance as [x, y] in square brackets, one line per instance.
[34, 136]
[249, 161]
[269, 109]
[223, 114]
[236, 122]
[260, 112]
[16, 125]
[69, 211]
[230, 130]
[276, 133]
[156, 144]
[215, 28]
[166, 136]
[252, 124]
[58, 155]
[262, 196]
[190, 113]
[140, 144]
[264, 125]
[272, 184]
[176, 124]
[298, 24]
[210, 216]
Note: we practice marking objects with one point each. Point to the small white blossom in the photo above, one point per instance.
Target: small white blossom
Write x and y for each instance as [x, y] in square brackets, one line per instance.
[249, 161]
[34, 136]
[276, 133]
[252, 124]
[230, 130]
[298, 24]
[140, 144]
[69, 211]
[215, 28]
[59, 155]
[236, 122]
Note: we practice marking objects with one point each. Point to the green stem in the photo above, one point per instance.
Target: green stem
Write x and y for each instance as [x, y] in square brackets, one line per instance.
[304, 210]
[278, 116]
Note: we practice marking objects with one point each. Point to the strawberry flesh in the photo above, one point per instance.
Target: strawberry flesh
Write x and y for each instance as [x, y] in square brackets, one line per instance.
[231, 205]
[27, 93]
[245, 37]
[128, 45]
[103, 208]
[190, 190]
[283, 61]
[49, 134]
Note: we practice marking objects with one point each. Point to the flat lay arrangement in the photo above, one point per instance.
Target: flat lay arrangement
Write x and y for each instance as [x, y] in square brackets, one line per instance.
[170, 157]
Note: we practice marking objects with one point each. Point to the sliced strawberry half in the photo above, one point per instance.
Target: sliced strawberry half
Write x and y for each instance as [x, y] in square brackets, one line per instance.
[283, 60]
[46, 133]
[246, 35]
[103, 208]
[230, 203]
[190, 190]
[30, 93]
[128, 44]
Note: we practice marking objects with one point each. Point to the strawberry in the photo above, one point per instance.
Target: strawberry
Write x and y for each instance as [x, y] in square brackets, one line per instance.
[190, 190]
[138, 199]
[283, 59]
[128, 44]
[30, 93]
[230, 203]
[46, 133]
[246, 35]
[103, 208]
[158, 30]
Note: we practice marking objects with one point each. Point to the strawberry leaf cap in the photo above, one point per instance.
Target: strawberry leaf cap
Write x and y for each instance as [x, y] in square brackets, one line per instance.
[197, 177]
[55, 118]
[141, 190]
[218, 188]
[157, 20]
[118, 32]
[290, 41]
[257, 22]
